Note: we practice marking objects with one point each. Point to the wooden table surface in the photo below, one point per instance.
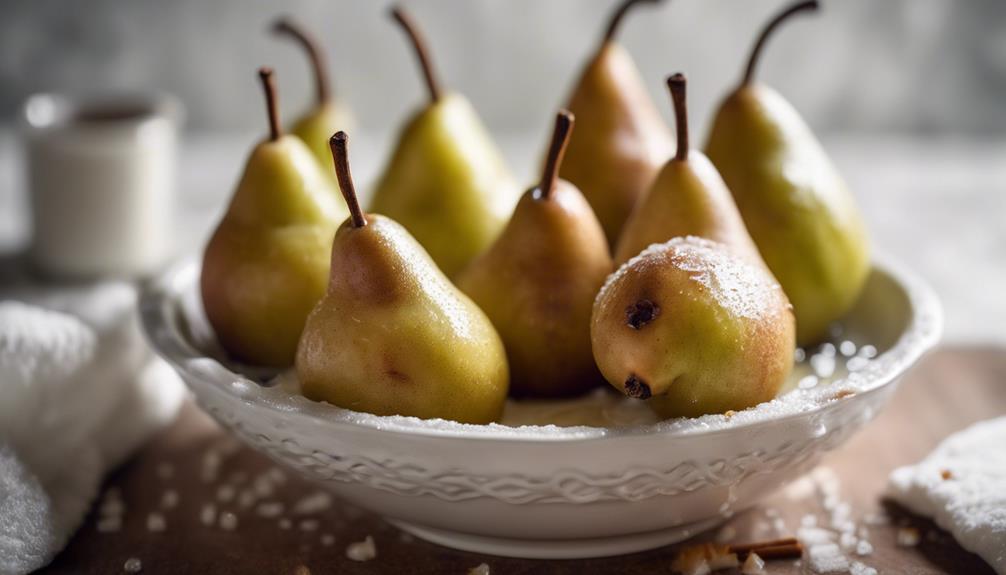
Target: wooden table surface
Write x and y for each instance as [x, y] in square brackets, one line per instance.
[950, 389]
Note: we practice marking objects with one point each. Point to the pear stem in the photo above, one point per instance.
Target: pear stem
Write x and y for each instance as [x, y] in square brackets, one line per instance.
[419, 45]
[678, 85]
[285, 26]
[339, 144]
[615, 20]
[768, 30]
[564, 121]
[269, 87]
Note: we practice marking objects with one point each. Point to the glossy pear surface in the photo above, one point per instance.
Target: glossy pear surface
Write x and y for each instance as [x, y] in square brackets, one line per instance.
[695, 328]
[267, 263]
[393, 336]
[318, 125]
[795, 205]
[688, 198]
[447, 184]
[620, 141]
[537, 284]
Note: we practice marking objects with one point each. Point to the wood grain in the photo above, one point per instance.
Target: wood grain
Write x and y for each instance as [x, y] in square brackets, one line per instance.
[949, 390]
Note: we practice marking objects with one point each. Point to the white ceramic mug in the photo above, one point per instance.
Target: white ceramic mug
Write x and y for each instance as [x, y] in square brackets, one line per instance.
[101, 176]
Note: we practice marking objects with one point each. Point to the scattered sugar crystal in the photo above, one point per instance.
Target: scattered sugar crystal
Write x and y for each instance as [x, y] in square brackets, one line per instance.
[809, 520]
[112, 506]
[858, 568]
[800, 489]
[868, 351]
[270, 509]
[827, 349]
[313, 503]
[753, 565]
[856, 363]
[225, 493]
[263, 486]
[779, 525]
[726, 534]
[228, 521]
[823, 365]
[847, 541]
[169, 499]
[808, 382]
[211, 465]
[165, 470]
[876, 519]
[799, 355]
[109, 524]
[156, 523]
[309, 524]
[864, 547]
[247, 498]
[908, 536]
[132, 565]
[363, 550]
[327, 539]
[814, 536]
[827, 558]
[480, 569]
[847, 348]
[208, 514]
[285, 524]
[276, 475]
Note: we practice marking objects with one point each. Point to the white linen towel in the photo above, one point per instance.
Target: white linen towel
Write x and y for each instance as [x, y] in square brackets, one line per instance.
[79, 391]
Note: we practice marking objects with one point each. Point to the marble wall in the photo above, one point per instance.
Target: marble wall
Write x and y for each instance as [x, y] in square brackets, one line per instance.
[919, 66]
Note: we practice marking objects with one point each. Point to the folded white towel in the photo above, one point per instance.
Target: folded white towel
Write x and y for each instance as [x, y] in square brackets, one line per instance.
[962, 486]
[79, 391]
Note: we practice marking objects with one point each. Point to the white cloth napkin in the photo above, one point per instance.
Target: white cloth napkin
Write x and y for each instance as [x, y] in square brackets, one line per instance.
[79, 391]
[962, 486]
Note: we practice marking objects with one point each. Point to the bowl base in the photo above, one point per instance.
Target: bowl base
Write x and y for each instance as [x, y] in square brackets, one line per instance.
[559, 548]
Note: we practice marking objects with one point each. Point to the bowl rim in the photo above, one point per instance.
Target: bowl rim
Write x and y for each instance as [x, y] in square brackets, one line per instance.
[159, 294]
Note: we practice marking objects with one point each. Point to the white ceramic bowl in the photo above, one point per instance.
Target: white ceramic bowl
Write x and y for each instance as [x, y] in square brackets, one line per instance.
[547, 491]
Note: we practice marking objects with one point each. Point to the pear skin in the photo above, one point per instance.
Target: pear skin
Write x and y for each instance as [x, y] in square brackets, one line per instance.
[392, 335]
[267, 263]
[795, 204]
[693, 328]
[688, 198]
[537, 284]
[446, 182]
[621, 141]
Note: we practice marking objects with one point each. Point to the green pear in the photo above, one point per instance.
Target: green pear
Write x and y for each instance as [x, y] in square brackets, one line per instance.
[694, 328]
[621, 141]
[392, 335]
[446, 181]
[538, 280]
[688, 198]
[266, 265]
[796, 206]
[328, 115]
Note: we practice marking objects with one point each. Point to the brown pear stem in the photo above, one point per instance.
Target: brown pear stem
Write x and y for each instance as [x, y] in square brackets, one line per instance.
[768, 30]
[616, 17]
[419, 45]
[269, 87]
[678, 85]
[564, 121]
[287, 27]
[339, 144]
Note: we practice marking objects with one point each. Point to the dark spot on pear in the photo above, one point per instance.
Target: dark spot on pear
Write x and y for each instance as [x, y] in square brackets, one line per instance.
[637, 388]
[641, 313]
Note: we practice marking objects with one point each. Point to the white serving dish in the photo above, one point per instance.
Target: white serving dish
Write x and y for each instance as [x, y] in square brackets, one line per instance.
[547, 491]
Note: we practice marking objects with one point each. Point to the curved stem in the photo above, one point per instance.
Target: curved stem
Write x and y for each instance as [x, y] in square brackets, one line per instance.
[560, 138]
[419, 45]
[269, 87]
[616, 17]
[339, 144]
[768, 30]
[678, 84]
[285, 26]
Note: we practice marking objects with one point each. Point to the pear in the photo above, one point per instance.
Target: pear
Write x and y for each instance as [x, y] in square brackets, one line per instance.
[620, 141]
[538, 280]
[688, 198]
[328, 115]
[392, 335]
[695, 328]
[266, 265]
[446, 182]
[795, 205]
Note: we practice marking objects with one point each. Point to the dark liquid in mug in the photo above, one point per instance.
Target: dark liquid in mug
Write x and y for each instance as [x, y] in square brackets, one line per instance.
[106, 113]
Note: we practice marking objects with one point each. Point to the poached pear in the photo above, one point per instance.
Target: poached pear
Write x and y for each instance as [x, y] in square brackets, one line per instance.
[446, 182]
[328, 115]
[694, 328]
[688, 198]
[794, 202]
[266, 265]
[621, 141]
[538, 280]
[392, 335]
